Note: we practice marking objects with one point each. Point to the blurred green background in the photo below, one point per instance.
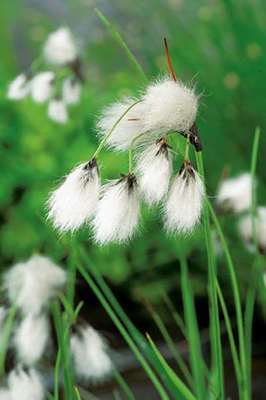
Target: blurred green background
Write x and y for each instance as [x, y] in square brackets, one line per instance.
[219, 45]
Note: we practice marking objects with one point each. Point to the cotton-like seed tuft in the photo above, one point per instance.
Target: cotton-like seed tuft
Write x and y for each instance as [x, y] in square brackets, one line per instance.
[60, 47]
[184, 204]
[4, 394]
[30, 285]
[73, 203]
[42, 86]
[71, 91]
[31, 338]
[169, 106]
[154, 167]
[19, 87]
[235, 194]
[24, 385]
[117, 212]
[57, 111]
[245, 228]
[130, 126]
[3, 314]
[90, 354]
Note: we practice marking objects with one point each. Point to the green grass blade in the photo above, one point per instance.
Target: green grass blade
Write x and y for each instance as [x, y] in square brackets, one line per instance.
[124, 333]
[118, 38]
[134, 332]
[56, 375]
[184, 391]
[176, 317]
[215, 329]
[171, 345]
[7, 330]
[123, 384]
[231, 339]
[193, 336]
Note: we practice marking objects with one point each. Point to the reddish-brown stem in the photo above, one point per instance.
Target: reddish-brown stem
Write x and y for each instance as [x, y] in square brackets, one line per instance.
[169, 61]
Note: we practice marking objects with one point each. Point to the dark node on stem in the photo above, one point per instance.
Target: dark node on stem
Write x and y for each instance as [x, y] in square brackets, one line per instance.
[193, 137]
[261, 249]
[76, 67]
[163, 149]
[131, 181]
[91, 164]
[169, 61]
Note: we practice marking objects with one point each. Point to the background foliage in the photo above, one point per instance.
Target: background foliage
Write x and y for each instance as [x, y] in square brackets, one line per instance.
[217, 45]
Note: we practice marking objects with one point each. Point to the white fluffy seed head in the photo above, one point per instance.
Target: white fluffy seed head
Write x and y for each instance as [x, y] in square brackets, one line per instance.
[90, 354]
[130, 126]
[184, 204]
[31, 338]
[4, 394]
[245, 228]
[25, 385]
[117, 212]
[71, 90]
[32, 284]
[3, 314]
[42, 86]
[57, 111]
[19, 87]
[60, 47]
[73, 203]
[154, 167]
[169, 105]
[235, 194]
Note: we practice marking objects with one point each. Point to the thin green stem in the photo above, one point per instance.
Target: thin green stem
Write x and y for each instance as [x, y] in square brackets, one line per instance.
[123, 384]
[177, 318]
[184, 391]
[216, 347]
[230, 337]
[196, 358]
[118, 38]
[237, 301]
[130, 161]
[102, 143]
[254, 158]
[6, 333]
[56, 375]
[122, 330]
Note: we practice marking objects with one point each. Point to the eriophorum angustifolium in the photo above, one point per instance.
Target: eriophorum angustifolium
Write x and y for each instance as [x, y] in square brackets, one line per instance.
[31, 287]
[165, 110]
[59, 83]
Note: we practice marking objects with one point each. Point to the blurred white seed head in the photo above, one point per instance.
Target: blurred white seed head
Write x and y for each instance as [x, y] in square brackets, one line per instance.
[117, 212]
[73, 203]
[184, 204]
[245, 228]
[25, 385]
[19, 87]
[60, 47]
[169, 106]
[90, 354]
[71, 90]
[235, 194]
[57, 111]
[31, 338]
[42, 86]
[130, 126]
[30, 285]
[4, 394]
[3, 314]
[154, 166]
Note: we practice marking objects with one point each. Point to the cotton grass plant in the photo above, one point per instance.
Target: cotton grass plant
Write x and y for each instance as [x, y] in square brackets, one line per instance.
[158, 130]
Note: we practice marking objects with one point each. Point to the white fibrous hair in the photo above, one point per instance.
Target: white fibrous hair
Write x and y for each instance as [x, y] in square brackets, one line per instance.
[246, 229]
[185, 200]
[154, 167]
[73, 203]
[4, 394]
[60, 47]
[169, 106]
[30, 285]
[117, 212]
[57, 111]
[19, 87]
[235, 194]
[90, 354]
[71, 90]
[24, 385]
[42, 86]
[31, 338]
[3, 314]
[127, 129]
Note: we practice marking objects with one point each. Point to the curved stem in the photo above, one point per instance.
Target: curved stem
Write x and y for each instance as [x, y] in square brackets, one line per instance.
[102, 143]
